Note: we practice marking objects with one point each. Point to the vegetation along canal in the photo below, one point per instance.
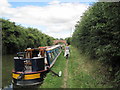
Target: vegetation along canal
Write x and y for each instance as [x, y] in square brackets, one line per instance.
[94, 60]
[7, 63]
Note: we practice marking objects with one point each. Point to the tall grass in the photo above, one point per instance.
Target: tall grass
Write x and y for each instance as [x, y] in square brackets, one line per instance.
[84, 73]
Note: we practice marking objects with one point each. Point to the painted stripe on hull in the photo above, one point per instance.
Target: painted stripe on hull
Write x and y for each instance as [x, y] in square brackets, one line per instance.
[27, 77]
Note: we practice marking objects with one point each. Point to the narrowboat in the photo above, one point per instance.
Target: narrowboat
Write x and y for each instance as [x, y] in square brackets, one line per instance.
[31, 65]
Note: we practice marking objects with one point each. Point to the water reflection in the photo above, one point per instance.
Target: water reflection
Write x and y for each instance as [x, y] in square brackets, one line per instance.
[7, 66]
[14, 87]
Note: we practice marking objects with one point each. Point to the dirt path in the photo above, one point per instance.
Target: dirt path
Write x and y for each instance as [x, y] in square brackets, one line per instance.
[65, 75]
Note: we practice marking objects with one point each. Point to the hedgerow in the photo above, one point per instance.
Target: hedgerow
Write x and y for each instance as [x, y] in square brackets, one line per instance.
[97, 34]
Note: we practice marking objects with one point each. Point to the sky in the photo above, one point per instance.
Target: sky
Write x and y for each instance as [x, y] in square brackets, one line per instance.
[55, 18]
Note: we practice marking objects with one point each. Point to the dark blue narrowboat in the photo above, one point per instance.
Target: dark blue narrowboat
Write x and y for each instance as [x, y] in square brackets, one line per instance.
[31, 65]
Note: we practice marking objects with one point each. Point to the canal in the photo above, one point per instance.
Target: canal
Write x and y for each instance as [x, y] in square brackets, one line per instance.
[7, 66]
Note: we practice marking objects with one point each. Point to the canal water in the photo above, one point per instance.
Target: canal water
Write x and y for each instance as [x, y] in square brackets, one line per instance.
[7, 66]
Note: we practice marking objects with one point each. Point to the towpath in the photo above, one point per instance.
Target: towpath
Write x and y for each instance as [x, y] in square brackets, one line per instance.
[65, 75]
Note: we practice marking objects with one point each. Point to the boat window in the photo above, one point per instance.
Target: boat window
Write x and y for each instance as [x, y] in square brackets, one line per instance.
[55, 54]
[35, 53]
[51, 57]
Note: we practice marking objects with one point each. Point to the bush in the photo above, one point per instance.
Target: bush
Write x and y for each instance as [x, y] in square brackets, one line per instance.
[17, 38]
[98, 33]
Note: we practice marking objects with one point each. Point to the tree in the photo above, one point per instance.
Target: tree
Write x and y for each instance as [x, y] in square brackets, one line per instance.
[68, 40]
[97, 34]
[17, 38]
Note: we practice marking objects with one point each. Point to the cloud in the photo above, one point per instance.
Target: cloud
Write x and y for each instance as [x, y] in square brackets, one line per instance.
[54, 2]
[58, 19]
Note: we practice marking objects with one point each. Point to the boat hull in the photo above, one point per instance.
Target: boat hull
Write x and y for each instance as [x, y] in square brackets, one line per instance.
[28, 78]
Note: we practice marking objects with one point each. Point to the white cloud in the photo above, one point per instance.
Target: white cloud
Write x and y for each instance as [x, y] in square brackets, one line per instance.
[54, 2]
[57, 18]
[4, 3]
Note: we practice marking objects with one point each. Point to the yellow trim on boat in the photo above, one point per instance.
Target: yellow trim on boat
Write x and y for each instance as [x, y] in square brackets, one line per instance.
[15, 75]
[27, 77]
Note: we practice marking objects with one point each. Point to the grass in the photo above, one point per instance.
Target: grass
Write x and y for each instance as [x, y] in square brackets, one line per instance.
[81, 73]
[52, 81]
[85, 73]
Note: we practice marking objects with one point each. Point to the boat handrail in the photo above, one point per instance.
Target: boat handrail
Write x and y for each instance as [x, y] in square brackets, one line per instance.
[34, 58]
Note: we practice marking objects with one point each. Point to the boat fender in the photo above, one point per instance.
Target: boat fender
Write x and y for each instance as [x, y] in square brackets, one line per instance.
[60, 73]
[21, 76]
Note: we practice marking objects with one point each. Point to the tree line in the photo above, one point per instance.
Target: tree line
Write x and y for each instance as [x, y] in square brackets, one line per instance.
[97, 34]
[17, 38]
[68, 40]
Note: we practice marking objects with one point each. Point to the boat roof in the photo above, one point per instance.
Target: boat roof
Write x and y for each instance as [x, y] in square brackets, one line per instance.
[53, 47]
[47, 48]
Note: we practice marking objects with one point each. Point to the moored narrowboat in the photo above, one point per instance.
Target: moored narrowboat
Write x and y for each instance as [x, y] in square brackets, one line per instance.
[31, 65]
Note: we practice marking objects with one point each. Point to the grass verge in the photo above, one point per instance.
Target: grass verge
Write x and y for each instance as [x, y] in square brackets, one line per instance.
[52, 81]
[85, 73]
